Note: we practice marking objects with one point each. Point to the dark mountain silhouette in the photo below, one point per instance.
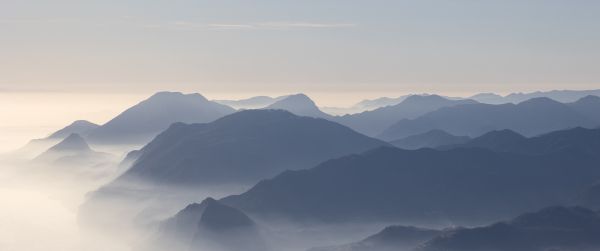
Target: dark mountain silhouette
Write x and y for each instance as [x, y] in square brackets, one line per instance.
[590, 198]
[374, 122]
[300, 105]
[81, 127]
[71, 151]
[243, 148]
[392, 238]
[431, 139]
[250, 103]
[461, 186]
[564, 96]
[140, 123]
[209, 225]
[529, 118]
[555, 228]
[577, 139]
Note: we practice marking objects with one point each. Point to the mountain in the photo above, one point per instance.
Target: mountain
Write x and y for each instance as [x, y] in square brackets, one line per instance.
[209, 225]
[576, 139]
[73, 150]
[300, 105]
[532, 117]
[372, 104]
[81, 127]
[588, 106]
[564, 96]
[392, 238]
[140, 123]
[243, 148]
[426, 186]
[431, 139]
[554, 228]
[590, 198]
[250, 103]
[374, 122]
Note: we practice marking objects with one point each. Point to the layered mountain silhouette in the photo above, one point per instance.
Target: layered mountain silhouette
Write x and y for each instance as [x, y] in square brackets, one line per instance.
[590, 198]
[431, 139]
[565, 96]
[209, 225]
[250, 103]
[554, 228]
[300, 105]
[392, 238]
[532, 117]
[140, 123]
[81, 127]
[243, 148]
[374, 122]
[576, 139]
[71, 151]
[462, 186]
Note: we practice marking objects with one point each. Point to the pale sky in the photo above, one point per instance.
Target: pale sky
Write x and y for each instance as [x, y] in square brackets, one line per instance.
[241, 46]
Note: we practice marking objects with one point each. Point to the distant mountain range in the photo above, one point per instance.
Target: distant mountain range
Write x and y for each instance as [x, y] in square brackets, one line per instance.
[257, 102]
[209, 225]
[532, 117]
[300, 105]
[555, 228]
[465, 186]
[243, 148]
[140, 123]
[576, 139]
[72, 151]
[552, 228]
[431, 139]
[374, 122]
[564, 96]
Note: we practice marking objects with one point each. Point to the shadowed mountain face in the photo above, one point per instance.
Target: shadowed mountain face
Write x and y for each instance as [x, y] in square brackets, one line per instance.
[591, 197]
[374, 122]
[555, 228]
[243, 148]
[207, 226]
[140, 123]
[300, 105]
[392, 238]
[461, 186]
[81, 127]
[431, 139]
[529, 118]
[576, 139]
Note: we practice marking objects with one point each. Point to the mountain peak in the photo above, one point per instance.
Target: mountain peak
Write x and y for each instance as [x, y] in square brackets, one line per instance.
[540, 101]
[219, 216]
[78, 126]
[299, 104]
[166, 95]
[73, 142]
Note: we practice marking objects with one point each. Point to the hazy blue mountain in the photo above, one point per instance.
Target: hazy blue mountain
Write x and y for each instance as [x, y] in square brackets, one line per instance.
[555, 228]
[72, 150]
[372, 104]
[532, 117]
[243, 147]
[466, 185]
[579, 139]
[564, 96]
[81, 127]
[392, 238]
[250, 103]
[374, 122]
[209, 225]
[588, 106]
[431, 139]
[140, 123]
[300, 105]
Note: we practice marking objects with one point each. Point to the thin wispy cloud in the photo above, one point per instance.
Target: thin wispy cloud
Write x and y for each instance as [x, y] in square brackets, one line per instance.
[185, 25]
